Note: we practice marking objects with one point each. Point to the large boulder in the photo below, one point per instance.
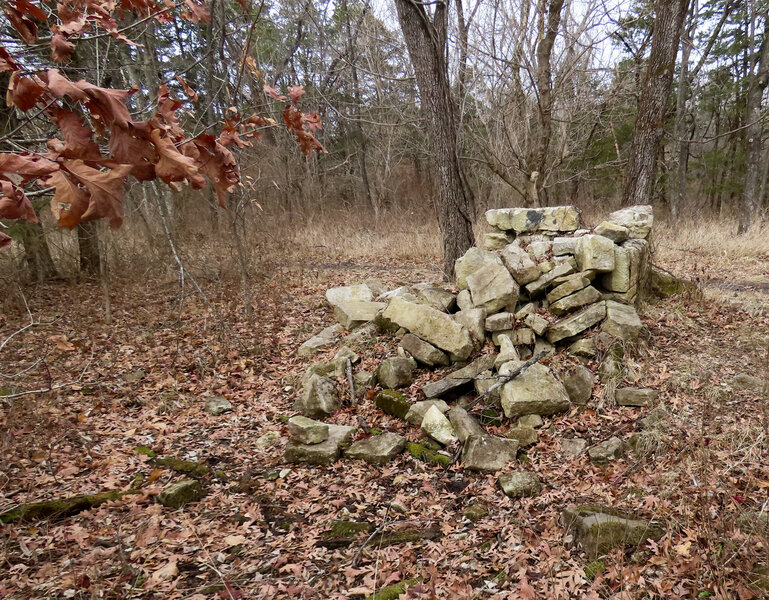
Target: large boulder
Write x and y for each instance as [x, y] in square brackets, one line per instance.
[535, 391]
[395, 372]
[492, 287]
[622, 321]
[354, 313]
[423, 352]
[520, 220]
[470, 262]
[323, 453]
[431, 325]
[460, 377]
[378, 449]
[523, 269]
[488, 453]
[638, 220]
[595, 252]
[576, 323]
[318, 399]
[327, 337]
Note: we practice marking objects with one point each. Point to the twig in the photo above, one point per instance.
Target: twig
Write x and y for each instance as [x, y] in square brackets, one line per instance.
[507, 378]
[353, 399]
[50, 388]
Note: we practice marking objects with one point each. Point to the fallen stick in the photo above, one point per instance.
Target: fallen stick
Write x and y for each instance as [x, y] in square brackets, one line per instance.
[507, 378]
[353, 399]
[59, 508]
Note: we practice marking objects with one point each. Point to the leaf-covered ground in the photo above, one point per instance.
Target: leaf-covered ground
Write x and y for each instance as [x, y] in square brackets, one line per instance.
[142, 382]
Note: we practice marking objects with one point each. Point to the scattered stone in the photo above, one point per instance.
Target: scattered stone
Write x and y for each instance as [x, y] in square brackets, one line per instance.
[473, 260]
[182, 492]
[530, 421]
[473, 320]
[268, 439]
[622, 321]
[616, 233]
[364, 379]
[579, 385]
[307, 431]
[655, 418]
[637, 219]
[488, 453]
[520, 484]
[353, 314]
[750, 383]
[327, 337]
[606, 451]
[318, 399]
[475, 512]
[464, 424]
[520, 220]
[399, 507]
[584, 348]
[595, 252]
[437, 426]
[417, 411]
[346, 353]
[573, 446]
[664, 284]
[395, 372]
[577, 323]
[535, 391]
[635, 396]
[349, 293]
[564, 245]
[571, 285]
[492, 287]
[537, 323]
[598, 529]
[378, 449]
[589, 295]
[425, 353]
[526, 436]
[459, 377]
[134, 376]
[324, 453]
[217, 405]
[393, 403]
[433, 457]
[645, 443]
[431, 325]
[500, 321]
[523, 269]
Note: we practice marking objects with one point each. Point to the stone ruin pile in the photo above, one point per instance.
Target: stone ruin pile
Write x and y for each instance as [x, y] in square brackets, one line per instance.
[540, 284]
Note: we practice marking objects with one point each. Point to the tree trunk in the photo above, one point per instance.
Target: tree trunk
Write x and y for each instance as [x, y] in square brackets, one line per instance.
[426, 40]
[652, 104]
[37, 255]
[751, 195]
[88, 244]
[678, 179]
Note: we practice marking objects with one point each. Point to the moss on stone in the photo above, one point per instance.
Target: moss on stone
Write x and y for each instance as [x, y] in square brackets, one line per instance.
[391, 592]
[182, 492]
[475, 512]
[393, 403]
[186, 467]
[347, 528]
[60, 508]
[432, 457]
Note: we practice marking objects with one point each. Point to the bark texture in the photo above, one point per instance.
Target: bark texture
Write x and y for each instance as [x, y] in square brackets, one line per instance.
[426, 40]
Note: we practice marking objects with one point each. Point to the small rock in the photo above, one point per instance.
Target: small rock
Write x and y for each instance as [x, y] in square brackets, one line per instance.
[318, 399]
[460, 377]
[616, 233]
[567, 288]
[530, 421]
[507, 352]
[537, 323]
[584, 348]
[655, 418]
[542, 345]
[268, 439]
[475, 512]
[324, 453]
[346, 354]
[539, 286]
[417, 411]
[496, 240]
[217, 405]
[520, 484]
[307, 431]
[363, 379]
[464, 300]
[523, 269]
[606, 451]
[664, 284]
[425, 353]
[435, 296]
[134, 376]
[393, 403]
[437, 426]
[473, 320]
[399, 507]
[327, 337]
[573, 446]
[395, 372]
[356, 313]
[500, 321]
[622, 321]
[464, 424]
[182, 492]
[635, 396]
[579, 385]
[564, 245]
[526, 436]
[488, 453]
[378, 449]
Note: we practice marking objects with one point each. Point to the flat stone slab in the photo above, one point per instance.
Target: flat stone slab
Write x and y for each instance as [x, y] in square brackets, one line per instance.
[488, 453]
[622, 321]
[378, 449]
[520, 220]
[423, 351]
[572, 285]
[635, 396]
[307, 431]
[536, 391]
[327, 337]
[459, 377]
[616, 233]
[577, 323]
[520, 484]
[324, 453]
[540, 285]
[355, 313]
[584, 297]
[349, 293]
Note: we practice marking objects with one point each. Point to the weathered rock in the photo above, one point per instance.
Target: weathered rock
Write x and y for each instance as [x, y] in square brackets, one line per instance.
[520, 484]
[492, 287]
[539, 286]
[500, 321]
[327, 337]
[537, 323]
[349, 293]
[307, 431]
[598, 529]
[182, 492]
[437, 426]
[579, 384]
[589, 295]
[750, 383]
[564, 245]
[464, 300]
[431, 325]
[459, 377]
[496, 240]
[355, 313]
[523, 269]
[526, 310]
[267, 440]
[584, 348]
[522, 336]
[488, 453]
[630, 269]
[395, 372]
[324, 453]
[435, 296]
[526, 436]
[572, 285]
[664, 284]
[622, 321]
[542, 345]
[606, 451]
[507, 352]
[539, 249]
[425, 454]
[616, 233]
[520, 220]
[418, 410]
[535, 391]
[473, 260]
[635, 396]
[656, 417]
[589, 275]
[483, 384]
[464, 424]
[637, 219]
[393, 403]
[363, 379]
[645, 443]
[573, 446]
[378, 449]
[475, 512]
[318, 399]
[346, 354]
[425, 353]
[530, 421]
[217, 405]
[595, 252]
[576, 323]
[473, 320]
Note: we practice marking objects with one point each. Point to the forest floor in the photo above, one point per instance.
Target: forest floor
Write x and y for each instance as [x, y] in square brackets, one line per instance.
[259, 534]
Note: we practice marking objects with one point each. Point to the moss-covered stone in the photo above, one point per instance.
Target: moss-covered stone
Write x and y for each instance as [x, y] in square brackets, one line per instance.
[424, 454]
[593, 568]
[347, 528]
[391, 592]
[475, 512]
[393, 403]
[182, 492]
[664, 284]
[59, 508]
